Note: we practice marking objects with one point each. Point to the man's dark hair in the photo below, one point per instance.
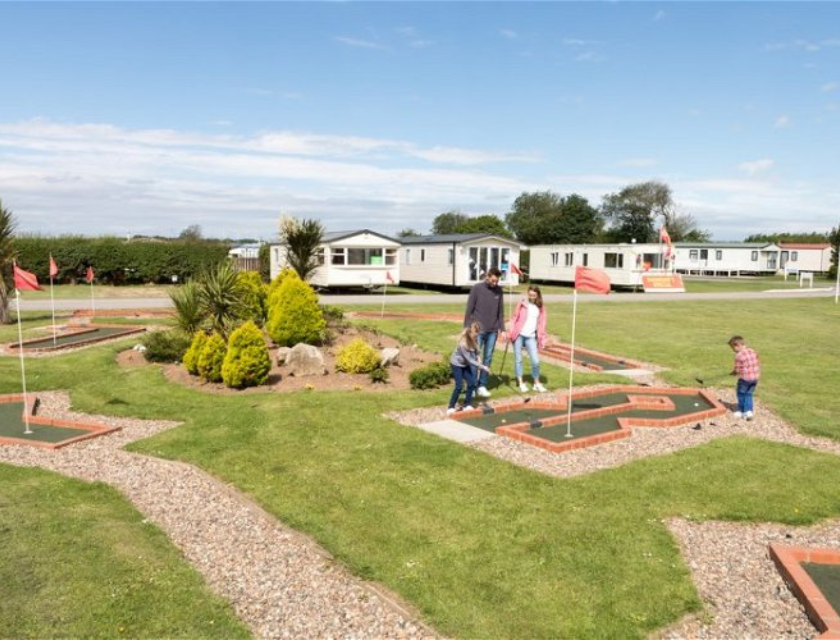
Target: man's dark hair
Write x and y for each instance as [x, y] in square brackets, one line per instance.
[494, 271]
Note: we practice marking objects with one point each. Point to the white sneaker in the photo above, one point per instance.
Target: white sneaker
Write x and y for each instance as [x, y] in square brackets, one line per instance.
[482, 392]
[450, 411]
[737, 414]
[749, 415]
[468, 408]
[539, 388]
[523, 388]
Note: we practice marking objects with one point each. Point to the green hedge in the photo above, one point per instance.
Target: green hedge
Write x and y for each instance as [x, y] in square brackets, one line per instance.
[118, 261]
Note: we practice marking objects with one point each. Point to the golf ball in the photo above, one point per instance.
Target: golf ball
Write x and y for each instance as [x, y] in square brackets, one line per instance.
[696, 404]
[503, 421]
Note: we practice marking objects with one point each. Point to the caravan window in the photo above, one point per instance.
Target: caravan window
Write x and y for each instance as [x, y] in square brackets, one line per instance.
[754, 256]
[585, 262]
[614, 260]
[794, 255]
[319, 256]
[338, 256]
[450, 260]
[555, 258]
[569, 259]
[692, 255]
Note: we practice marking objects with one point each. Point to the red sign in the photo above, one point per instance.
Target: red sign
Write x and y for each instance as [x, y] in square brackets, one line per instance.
[663, 284]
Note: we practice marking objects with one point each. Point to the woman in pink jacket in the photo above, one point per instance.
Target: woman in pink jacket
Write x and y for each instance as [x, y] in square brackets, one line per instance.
[527, 328]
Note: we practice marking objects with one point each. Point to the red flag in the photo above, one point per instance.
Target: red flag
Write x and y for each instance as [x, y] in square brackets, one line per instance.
[516, 269]
[388, 277]
[24, 280]
[663, 235]
[89, 275]
[53, 268]
[594, 280]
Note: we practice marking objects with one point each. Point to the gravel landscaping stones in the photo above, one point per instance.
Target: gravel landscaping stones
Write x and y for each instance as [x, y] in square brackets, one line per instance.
[280, 583]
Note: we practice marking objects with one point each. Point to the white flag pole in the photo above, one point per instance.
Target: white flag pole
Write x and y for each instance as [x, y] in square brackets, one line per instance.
[837, 284]
[52, 305]
[571, 366]
[27, 431]
[92, 301]
[384, 293]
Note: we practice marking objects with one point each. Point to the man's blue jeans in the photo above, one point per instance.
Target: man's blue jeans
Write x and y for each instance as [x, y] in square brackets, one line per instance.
[744, 391]
[486, 346]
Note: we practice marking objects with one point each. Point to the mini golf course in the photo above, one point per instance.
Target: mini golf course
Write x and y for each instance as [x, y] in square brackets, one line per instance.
[76, 337]
[596, 416]
[814, 577]
[16, 419]
[592, 360]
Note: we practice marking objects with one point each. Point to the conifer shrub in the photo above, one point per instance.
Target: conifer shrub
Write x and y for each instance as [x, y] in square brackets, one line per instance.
[274, 286]
[246, 362]
[431, 376]
[211, 358]
[192, 354]
[380, 374]
[294, 315]
[357, 357]
[253, 294]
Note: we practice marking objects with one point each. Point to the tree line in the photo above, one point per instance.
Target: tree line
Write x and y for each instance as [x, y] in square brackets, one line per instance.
[634, 213]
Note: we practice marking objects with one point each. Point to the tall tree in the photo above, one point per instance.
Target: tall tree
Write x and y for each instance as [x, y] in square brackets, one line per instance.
[632, 212]
[7, 256]
[301, 239]
[683, 228]
[813, 237]
[408, 233]
[488, 223]
[834, 239]
[449, 222]
[548, 218]
[191, 234]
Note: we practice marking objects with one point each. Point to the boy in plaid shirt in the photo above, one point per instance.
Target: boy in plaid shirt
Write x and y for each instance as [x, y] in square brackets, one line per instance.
[747, 369]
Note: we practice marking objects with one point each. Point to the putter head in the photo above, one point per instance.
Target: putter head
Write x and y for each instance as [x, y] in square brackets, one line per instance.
[700, 380]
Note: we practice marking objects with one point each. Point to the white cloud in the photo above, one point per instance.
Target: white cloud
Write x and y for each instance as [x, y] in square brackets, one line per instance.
[637, 162]
[754, 167]
[590, 56]
[830, 87]
[510, 34]
[782, 122]
[358, 42]
[659, 15]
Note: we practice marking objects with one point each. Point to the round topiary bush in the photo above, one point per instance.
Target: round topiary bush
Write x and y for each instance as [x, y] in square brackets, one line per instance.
[191, 356]
[357, 357]
[247, 362]
[211, 358]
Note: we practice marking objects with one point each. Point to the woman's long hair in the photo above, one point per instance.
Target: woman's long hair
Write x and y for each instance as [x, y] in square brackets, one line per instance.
[539, 300]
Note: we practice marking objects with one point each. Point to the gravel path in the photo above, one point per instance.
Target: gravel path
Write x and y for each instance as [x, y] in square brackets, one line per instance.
[741, 588]
[280, 583]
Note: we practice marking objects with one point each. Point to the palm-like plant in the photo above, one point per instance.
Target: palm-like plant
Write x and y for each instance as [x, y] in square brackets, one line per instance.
[221, 297]
[7, 256]
[301, 239]
[189, 310]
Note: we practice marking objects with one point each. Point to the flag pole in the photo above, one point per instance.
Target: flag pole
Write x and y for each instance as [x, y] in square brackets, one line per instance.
[837, 284]
[52, 306]
[384, 293]
[571, 366]
[92, 301]
[27, 431]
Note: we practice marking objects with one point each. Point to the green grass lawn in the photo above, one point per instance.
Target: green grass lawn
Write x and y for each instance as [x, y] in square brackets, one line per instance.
[481, 547]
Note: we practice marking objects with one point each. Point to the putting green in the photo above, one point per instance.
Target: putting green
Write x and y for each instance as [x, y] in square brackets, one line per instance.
[594, 414]
[12, 425]
[76, 338]
[589, 358]
[827, 578]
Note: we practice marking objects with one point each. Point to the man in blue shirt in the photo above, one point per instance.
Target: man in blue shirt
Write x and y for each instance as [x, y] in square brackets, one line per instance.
[485, 305]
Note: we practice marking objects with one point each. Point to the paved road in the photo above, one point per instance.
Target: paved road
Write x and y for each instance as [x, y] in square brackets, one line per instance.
[457, 298]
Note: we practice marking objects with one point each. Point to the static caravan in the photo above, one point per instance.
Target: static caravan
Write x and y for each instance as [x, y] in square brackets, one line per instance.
[457, 260]
[800, 256]
[726, 258]
[624, 263]
[361, 258]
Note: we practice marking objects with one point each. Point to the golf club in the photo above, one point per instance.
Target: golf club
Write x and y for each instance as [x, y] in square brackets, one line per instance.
[704, 379]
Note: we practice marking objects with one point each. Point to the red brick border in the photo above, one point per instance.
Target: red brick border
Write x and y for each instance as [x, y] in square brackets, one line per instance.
[650, 398]
[94, 430]
[563, 352]
[789, 562]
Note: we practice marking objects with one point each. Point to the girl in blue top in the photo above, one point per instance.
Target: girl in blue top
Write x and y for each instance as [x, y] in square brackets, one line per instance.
[464, 361]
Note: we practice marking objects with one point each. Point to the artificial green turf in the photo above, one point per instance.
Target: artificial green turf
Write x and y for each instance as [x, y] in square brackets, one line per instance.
[827, 579]
[80, 337]
[12, 425]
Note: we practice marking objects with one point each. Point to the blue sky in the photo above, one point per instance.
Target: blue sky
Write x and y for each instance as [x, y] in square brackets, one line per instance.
[145, 118]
